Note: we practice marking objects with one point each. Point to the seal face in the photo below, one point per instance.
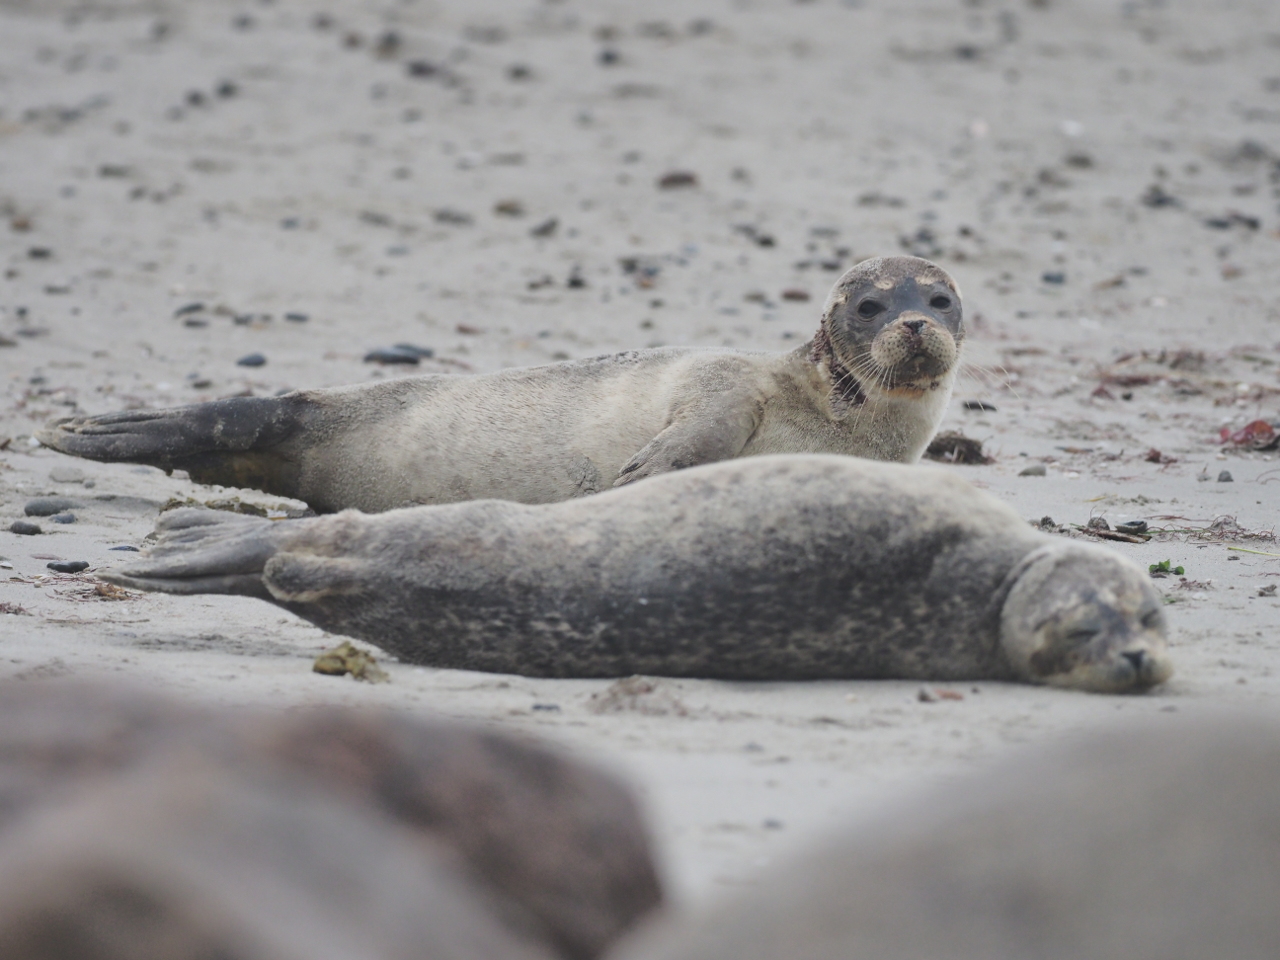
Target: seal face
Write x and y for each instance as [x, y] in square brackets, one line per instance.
[874, 382]
[1078, 617]
[892, 326]
[762, 568]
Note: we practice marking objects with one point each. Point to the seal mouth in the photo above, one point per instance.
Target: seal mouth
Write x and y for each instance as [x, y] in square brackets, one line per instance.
[911, 352]
[1101, 662]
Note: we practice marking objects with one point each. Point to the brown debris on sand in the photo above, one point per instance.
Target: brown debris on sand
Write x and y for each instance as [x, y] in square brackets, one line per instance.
[955, 447]
[645, 695]
[346, 658]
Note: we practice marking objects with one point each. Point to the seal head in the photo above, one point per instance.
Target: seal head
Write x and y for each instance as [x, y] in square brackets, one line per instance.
[1078, 616]
[892, 325]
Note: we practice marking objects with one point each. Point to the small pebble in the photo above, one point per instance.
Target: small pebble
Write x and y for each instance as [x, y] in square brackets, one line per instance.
[546, 228]
[1054, 276]
[67, 566]
[1035, 470]
[48, 506]
[1225, 477]
[25, 528]
[63, 518]
[677, 179]
[252, 360]
[189, 308]
[392, 355]
[125, 547]
[297, 317]
[66, 475]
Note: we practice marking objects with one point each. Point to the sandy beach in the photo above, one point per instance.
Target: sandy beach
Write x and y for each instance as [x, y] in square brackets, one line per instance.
[211, 198]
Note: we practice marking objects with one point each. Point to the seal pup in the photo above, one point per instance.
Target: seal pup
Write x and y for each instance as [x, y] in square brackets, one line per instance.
[1135, 841]
[765, 568]
[874, 382]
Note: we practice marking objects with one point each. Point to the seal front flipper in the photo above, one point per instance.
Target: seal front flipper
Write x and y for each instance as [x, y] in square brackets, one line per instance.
[717, 430]
[234, 442]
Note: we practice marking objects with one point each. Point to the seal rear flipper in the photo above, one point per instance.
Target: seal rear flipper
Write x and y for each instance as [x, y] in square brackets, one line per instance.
[204, 551]
[233, 442]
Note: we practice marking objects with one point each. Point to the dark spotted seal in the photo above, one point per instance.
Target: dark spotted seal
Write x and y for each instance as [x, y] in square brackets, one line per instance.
[874, 382]
[767, 568]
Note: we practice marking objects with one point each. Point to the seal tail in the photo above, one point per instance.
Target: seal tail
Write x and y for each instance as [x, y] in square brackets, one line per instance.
[233, 442]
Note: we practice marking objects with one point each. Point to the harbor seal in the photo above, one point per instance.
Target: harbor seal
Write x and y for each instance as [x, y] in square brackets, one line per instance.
[554, 849]
[1138, 840]
[764, 568]
[873, 382]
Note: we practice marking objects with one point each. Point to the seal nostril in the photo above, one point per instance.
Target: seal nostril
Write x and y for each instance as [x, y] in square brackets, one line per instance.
[1135, 657]
[915, 326]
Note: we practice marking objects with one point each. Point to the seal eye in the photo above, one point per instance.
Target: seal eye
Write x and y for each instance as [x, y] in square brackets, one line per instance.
[1082, 635]
[940, 302]
[1151, 619]
[869, 309]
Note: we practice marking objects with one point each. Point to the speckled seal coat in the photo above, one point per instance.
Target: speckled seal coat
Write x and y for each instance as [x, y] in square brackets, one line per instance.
[874, 382]
[768, 568]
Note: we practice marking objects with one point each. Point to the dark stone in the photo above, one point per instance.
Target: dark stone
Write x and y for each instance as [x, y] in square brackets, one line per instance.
[1054, 276]
[25, 528]
[297, 317]
[425, 352]
[1225, 477]
[252, 360]
[67, 566]
[392, 355]
[48, 506]
[126, 548]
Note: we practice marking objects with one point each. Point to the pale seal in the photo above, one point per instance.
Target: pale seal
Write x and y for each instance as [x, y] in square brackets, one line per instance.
[1137, 841]
[874, 382]
[767, 568]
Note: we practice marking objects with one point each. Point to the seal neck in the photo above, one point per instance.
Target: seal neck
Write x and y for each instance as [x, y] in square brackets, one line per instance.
[845, 387]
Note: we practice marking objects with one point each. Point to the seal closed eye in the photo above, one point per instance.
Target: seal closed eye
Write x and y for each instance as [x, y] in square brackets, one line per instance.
[873, 382]
[783, 568]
